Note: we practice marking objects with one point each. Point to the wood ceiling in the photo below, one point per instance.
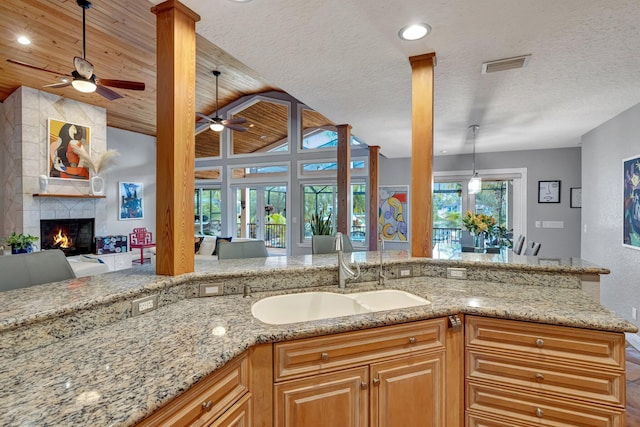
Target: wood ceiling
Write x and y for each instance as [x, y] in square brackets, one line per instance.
[121, 44]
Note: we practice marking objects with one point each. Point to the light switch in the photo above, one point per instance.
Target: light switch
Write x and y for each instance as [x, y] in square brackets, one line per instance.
[538, 224]
[552, 224]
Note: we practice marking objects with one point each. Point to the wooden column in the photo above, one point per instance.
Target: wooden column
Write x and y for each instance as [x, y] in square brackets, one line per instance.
[422, 154]
[344, 179]
[372, 226]
[175, 115]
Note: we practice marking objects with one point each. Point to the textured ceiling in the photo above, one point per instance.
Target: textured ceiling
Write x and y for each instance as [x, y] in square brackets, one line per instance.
[344, 59]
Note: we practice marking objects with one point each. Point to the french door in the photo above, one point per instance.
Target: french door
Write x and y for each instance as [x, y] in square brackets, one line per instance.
[261, 212]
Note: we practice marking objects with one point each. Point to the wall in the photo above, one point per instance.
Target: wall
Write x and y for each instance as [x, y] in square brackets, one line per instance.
[602, 152]
[3, 170]
[561, 164]
[136, 163]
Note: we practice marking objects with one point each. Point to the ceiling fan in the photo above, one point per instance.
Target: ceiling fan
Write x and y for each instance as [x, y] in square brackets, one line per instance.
[217, 123]
[82, 77]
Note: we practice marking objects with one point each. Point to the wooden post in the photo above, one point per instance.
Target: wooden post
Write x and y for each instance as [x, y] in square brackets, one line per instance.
[372, 226]
[344, 179]
[175, 115]
[422, 154]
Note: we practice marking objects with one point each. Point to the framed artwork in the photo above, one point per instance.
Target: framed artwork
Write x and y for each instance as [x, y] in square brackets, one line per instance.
[548, 191]
[68, 144]
[392, 212]
[576, 197]
[130, 200]
[631, 202]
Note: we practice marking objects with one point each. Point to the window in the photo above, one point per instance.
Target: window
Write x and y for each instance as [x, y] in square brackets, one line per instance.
[267, 128]
[208, 212]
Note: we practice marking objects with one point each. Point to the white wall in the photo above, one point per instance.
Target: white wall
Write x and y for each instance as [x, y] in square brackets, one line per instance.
[542, 165]
[602, 152]
[136, 163]
[3, 166]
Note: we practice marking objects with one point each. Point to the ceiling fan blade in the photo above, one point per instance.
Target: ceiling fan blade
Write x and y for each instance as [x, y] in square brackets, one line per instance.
[107, 93]
[203, 116]
[122, 84]
[238, 121]
[58, 85]
[33, 67]
[83, 67]
[234, 127]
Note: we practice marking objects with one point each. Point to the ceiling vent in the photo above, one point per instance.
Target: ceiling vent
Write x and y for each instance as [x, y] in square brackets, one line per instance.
[505, 64]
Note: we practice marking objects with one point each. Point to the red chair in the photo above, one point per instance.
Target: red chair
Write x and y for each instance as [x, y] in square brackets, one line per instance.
[141, 238]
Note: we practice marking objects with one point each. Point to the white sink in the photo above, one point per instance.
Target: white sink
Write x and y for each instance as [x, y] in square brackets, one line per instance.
[303, 307]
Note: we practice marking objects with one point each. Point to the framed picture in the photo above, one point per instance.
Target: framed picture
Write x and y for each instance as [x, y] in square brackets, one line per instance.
[631, 202]
[67, 147]
[392, 212]
[576, 197]
[548, 191]
[130, 200]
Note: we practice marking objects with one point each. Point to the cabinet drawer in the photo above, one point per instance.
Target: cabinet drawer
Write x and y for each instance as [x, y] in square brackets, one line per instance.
[239, 415]
[532, 409]
[208, 399]
[474, 420]
[324, 354]
[547, 341]
[603, 385]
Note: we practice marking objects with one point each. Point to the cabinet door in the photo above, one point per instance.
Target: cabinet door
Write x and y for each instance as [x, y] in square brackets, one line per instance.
[239, 415]
[409, 392]
[328, 400]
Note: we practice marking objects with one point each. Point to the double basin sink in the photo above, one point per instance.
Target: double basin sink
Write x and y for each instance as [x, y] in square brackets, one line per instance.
[303, 307]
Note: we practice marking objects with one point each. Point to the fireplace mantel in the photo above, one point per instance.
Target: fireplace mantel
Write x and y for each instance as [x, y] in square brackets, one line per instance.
[77, 196]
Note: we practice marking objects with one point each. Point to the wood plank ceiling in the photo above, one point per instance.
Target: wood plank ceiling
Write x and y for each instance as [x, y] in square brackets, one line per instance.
[121, 44]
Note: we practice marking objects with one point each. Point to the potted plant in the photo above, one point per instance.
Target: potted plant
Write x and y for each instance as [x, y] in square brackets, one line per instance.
[21, 243]
[320, 226]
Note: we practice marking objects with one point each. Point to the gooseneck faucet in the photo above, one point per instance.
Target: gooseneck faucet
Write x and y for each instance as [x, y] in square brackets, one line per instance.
[381, 276]
[344, 271]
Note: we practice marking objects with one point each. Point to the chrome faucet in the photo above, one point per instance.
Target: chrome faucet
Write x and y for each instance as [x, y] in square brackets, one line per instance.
[344, 271]
[381, 276]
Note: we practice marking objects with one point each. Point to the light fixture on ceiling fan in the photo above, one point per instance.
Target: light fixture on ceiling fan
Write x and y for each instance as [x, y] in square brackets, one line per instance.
[218, 124]
[475, 183]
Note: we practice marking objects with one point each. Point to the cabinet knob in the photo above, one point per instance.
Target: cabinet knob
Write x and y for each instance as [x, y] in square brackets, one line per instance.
[207, 405]
[376, 381]
[539, 342]
[412, 340]
[539, 377]
[324, 357]
[539, 413]
[364, 385]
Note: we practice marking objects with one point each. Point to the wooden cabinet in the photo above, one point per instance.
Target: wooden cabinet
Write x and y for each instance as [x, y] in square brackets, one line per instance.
[520, 373]
[382, 377]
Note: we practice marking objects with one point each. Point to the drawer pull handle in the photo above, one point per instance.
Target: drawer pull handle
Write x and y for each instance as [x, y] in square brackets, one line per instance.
[207, 405]
[539, 342]
[539, 413]
[324, 357]
[376, 381]
[364, 385]
[412, 340]
[539, 377]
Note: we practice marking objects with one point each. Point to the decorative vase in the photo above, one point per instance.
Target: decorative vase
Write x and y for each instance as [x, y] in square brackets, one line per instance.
[43, 181]
[478, 241]
[16, 250]
[97, 185]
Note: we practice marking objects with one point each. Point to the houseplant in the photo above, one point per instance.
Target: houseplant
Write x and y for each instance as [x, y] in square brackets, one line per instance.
[320, 225]
[20, 243]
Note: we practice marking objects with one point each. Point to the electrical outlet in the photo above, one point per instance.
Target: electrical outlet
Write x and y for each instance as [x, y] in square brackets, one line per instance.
[405, 272]
[210, 289]
[143, 305]
[456, 273]
[634, 313]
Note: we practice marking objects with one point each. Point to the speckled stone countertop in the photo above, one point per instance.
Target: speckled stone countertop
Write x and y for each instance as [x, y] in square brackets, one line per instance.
[118, 374]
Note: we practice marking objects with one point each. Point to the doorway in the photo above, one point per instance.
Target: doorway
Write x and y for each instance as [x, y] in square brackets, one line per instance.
[261, 213]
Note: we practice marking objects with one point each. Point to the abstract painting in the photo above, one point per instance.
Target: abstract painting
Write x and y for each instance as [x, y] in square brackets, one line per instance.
[130, 200]
[392, 212]
[631, 202]
[64, 140]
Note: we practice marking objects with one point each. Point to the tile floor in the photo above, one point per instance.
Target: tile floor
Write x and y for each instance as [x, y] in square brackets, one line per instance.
[633, 387]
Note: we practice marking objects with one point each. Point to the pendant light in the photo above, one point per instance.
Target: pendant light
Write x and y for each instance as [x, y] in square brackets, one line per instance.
[475, 183]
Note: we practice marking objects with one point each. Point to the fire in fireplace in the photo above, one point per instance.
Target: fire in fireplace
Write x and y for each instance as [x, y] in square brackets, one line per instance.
[74, 236]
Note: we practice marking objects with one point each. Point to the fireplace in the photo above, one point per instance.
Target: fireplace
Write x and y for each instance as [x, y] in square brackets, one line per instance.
[74, 236]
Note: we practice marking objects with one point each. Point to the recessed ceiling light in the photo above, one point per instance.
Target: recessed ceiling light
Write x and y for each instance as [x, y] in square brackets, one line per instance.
[414, 31]
[24, 40]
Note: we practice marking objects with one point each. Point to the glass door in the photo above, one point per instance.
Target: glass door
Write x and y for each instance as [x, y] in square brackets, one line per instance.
[262, 214]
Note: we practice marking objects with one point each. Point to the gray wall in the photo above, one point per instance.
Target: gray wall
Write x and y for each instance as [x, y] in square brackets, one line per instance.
[2, 187]
[602, 152]
[136, 163]
[560, 164]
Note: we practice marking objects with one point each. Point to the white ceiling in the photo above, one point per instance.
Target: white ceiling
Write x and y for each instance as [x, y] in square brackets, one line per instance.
[344, 59]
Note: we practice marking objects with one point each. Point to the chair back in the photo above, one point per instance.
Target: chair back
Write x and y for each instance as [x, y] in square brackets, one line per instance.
[327, 244]
[517, 248]
[236, 250]
[35, 268]
[140, 236]
[533, 249]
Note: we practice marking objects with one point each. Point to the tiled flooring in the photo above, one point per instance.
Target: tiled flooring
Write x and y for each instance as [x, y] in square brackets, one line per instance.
[633, 387]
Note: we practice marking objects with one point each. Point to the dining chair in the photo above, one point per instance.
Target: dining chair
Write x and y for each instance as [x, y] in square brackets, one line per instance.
[533, 249]
[326, 244]
[517, 248]
[248, 249]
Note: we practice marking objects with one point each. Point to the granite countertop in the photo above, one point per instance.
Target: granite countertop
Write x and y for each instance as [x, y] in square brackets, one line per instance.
[119, 373]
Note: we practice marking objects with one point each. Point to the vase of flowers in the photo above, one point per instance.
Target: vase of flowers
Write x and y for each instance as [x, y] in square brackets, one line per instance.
[478, 225]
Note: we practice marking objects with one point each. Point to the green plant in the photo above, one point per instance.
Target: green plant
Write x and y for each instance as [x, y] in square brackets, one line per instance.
[321, 225]
[20, 241]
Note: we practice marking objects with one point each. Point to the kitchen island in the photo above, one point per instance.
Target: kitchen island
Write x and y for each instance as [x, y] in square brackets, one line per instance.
[72, 354]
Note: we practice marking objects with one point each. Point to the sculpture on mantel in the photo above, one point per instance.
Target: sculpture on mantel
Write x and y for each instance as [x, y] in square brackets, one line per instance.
[103, 161]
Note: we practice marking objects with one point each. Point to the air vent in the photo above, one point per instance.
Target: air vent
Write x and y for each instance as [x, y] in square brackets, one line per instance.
[505, 64]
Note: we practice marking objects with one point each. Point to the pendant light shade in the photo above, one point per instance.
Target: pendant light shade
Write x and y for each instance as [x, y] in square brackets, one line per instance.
[475, 183]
